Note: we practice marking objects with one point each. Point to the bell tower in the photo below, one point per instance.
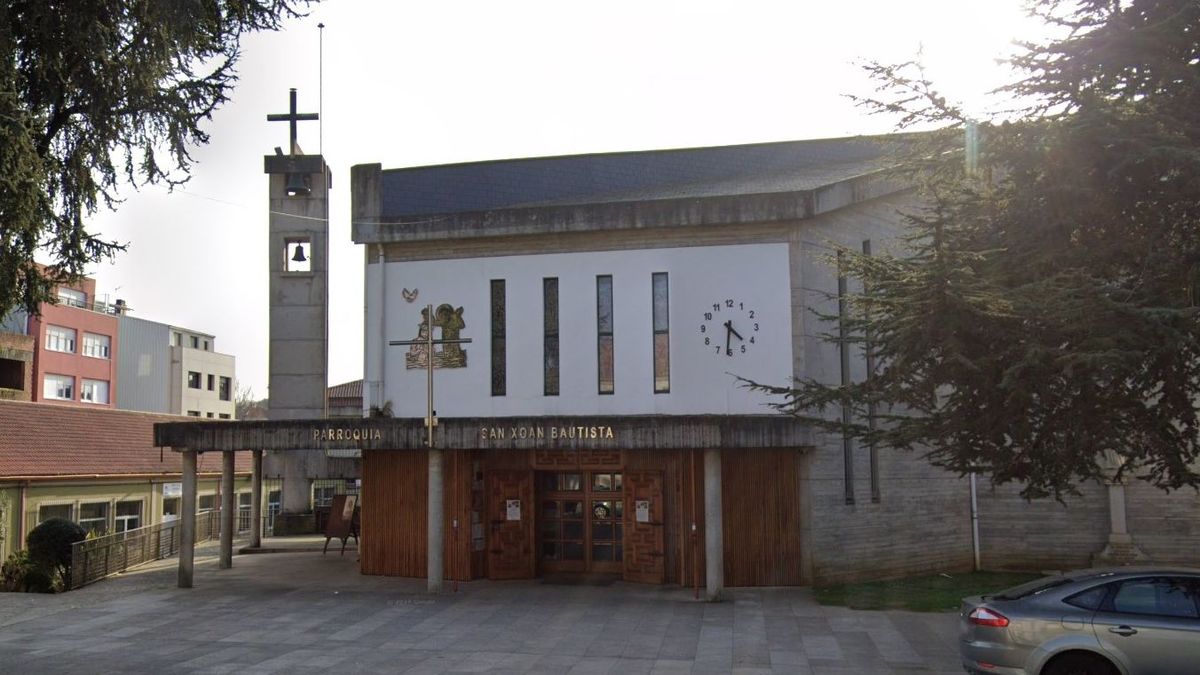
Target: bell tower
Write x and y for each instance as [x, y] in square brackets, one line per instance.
[298, 260]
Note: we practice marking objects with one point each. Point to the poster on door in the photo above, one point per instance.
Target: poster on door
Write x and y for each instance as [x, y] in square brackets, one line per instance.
[641, 510]
[512, 509]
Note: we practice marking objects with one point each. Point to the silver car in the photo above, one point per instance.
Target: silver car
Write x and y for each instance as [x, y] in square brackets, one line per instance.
[1120, 621]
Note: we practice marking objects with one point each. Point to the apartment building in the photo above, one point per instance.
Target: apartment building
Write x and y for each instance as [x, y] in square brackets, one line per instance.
[169, 369]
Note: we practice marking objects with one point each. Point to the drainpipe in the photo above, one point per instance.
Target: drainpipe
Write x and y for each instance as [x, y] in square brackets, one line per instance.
[975, 521]
[378, 394]
[22, 489]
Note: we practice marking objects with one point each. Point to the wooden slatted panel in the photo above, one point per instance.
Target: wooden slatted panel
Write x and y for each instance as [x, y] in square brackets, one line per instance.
[761, 508]
[395, 499]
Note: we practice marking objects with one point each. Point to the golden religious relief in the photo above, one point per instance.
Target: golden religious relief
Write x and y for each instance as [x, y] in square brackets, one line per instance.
[452, 355]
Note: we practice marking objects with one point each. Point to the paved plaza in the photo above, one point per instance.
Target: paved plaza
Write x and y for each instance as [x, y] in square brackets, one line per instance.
[304, 612]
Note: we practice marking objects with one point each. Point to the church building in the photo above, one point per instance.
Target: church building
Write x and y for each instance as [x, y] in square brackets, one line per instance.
[592, 316]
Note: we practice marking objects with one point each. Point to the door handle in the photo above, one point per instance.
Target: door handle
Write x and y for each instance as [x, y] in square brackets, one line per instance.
[1124, 631]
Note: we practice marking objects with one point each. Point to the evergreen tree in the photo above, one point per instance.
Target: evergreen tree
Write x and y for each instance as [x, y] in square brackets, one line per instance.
[96, 93]
[1042, 310]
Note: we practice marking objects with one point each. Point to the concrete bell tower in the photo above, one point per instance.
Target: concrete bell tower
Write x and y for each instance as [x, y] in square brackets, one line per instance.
[298, 260]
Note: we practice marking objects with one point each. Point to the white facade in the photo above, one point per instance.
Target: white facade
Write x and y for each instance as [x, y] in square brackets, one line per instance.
[749, 284]
[202, 383]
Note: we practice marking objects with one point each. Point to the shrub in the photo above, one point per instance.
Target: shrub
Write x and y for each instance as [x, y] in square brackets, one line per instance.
[49, 544]
[15, 570]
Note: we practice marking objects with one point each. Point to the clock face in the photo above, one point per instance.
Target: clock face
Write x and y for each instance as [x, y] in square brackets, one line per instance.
[730, 328]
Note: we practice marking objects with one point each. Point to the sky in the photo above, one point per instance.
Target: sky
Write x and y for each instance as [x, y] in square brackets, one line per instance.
[414, 84]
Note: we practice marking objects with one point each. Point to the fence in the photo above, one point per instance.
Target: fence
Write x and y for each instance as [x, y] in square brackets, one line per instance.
[95, 559]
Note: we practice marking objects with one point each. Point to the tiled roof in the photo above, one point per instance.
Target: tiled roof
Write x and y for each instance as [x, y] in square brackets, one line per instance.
[629, 176]
[346, 390]
[41, 439]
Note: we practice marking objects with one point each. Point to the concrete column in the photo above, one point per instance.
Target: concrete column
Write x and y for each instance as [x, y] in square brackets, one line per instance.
[714, 538]
[434, 547]
[1116, 511]
[256, 500]
[228, 510]
[187, 520]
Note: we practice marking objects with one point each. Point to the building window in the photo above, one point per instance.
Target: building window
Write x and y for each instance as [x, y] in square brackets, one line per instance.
[208, 415]
[662, 334]
[195, 342]
[499, 352]
[12, 374]
[93, 391]
[193, 413]
[323, 495]
[193, 380]
[129, 516]
[550, 335]
[223, 416]
[93, 517]
[177, 339]
[225, 389]
[61, 387]
[59, 339]
[206, 345]
[170, 509]
[604, 333]
[95, 345]
[48, 511]
[206, 503]
[245, 499]
[212, 382]
[72, 298]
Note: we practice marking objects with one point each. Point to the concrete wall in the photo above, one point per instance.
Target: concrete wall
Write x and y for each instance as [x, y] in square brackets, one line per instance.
[143, 366]
[1044, 534]
[18, 350]
[921, 521]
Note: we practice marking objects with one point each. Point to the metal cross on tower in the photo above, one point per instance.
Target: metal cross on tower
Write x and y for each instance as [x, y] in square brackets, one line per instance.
[429, 342]
[291, 117]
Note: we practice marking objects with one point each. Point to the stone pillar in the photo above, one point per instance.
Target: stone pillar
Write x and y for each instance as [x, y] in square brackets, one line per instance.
[1120, 549]
[434, 547]
[714, 538]
[256, 500]
[228, 510]
[187, 520]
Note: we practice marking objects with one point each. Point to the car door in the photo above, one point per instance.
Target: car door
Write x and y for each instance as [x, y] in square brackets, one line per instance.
[1152, 625]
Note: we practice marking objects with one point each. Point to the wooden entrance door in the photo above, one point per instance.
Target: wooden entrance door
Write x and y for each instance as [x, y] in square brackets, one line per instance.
[580, 521]
[644, 550]
[510, 513]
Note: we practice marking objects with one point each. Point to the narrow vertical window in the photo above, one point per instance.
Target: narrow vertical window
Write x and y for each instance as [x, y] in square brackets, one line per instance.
[550, 333]
[604, 333]
[499, 375]
[869, 353]
[662, 335]
[844, 354]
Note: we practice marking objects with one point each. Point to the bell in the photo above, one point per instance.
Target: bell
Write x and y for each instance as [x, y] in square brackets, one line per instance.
[296, 185]
[298, 256]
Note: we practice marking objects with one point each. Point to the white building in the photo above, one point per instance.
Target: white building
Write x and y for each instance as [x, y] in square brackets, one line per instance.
[164, 368]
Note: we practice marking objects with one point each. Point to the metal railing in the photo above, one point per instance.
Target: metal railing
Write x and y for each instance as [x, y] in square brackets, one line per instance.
[95, 559]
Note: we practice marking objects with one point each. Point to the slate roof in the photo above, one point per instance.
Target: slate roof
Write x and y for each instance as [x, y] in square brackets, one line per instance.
[628, 176]
[43, 439]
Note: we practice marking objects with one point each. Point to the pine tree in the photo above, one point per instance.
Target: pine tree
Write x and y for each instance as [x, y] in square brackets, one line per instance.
[1043, 310]
[94, 94]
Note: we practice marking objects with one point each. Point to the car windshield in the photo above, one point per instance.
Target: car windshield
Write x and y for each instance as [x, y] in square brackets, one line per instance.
[1031, 588]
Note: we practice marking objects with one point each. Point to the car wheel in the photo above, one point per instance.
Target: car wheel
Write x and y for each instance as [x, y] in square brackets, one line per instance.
[1079, 663]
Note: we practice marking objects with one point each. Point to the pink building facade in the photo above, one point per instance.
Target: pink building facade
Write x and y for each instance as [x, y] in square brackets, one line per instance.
[75, 349]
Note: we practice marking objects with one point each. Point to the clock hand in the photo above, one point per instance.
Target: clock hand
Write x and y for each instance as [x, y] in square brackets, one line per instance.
[728, 331]
[731, 330]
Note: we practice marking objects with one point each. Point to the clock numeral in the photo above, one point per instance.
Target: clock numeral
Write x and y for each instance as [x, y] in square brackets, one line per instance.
[742, 305]
[751, 314]
[751, 339]
[728, 352]
[716, 306]
[729, 303]
[706, 342]
[708, 315]
[744, 348]
[703, 328]
[756, 327]
[718, 349]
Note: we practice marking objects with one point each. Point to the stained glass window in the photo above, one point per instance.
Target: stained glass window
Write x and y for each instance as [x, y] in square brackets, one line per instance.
[550, 343]
[604, 327]
[499, 375]
[662, 335]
